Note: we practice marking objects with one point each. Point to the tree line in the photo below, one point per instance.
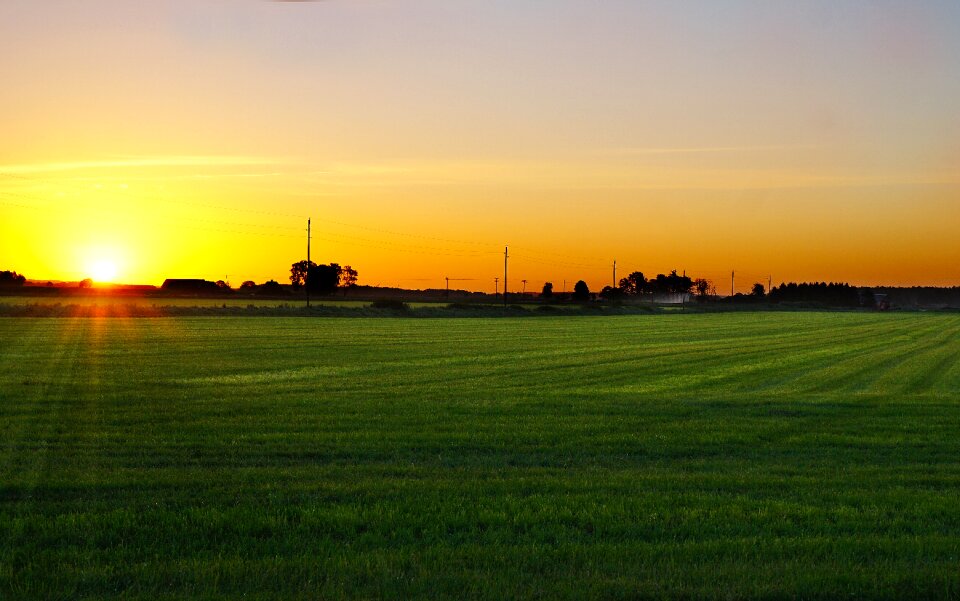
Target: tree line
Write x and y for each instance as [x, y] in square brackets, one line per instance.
[321, 279]
[326, 278]
[12, 278]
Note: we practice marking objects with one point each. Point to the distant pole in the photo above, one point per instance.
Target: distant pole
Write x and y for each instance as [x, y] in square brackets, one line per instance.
[732, 293]
[496, 287]
[524, 286]
[564, 286]
[448, 286]
[306, 277]
[505, 257]
[769, 283]
[614, 273]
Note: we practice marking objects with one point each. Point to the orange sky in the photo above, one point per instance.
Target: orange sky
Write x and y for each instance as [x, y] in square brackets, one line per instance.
[810, 142]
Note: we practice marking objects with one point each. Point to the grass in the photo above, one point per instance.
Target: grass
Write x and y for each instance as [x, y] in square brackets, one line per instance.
[382, 308]
[719, 456]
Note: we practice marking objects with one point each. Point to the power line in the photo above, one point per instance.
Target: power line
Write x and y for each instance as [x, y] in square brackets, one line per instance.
[306, 283]
[149, 196]
[505, 257]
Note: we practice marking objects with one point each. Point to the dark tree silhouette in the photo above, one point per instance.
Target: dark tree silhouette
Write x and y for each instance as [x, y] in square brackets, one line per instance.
[248, 285]
[634, 284]
[833, 294]
[298, 273]
[11, 278]
[611, 293]
[581, 292]
[758, 290]
[547, 291]
[271, 287]
[702, 287]
[324, 279]
[670, 284]
[85, 283]
[223, 286]
[318, 279]
[348, 277]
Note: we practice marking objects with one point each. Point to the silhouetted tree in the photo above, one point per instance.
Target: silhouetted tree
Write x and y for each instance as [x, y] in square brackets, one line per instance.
[319, 279]
[670, 284]
[348, 277]
[832, 294]
[85, 283]
[248, 286]
[610, 293]
[547, 291]
[11, 278]
[299, 271]
[271, 287]
[758, 290]
[324, 279]
[634, 284]
[702, 287]
[581, 292]
[223, 286]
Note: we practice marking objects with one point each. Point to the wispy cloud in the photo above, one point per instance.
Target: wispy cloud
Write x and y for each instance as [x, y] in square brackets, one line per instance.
[137, 162]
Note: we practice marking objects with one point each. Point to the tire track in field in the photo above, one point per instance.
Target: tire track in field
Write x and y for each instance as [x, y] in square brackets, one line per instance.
[851, 374]
[918, 371]
[949, 381]
[20, 378]
[704, 364]
[27, 453]
[788, 375]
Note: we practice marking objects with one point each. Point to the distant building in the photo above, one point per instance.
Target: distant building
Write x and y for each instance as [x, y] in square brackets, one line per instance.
[189, 286]
[881, 302]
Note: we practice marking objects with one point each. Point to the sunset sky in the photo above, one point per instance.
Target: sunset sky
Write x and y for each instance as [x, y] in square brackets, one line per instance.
[804, 140]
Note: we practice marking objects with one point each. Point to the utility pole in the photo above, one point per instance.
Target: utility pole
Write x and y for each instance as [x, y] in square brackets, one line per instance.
[448, 286]
[524, 286]
[306, 277]
[496, 287]
[614, 273]
[732, 293]
[505, 257]
[769, 283]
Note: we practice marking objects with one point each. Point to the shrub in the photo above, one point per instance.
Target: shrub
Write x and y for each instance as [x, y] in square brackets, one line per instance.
[391, 304]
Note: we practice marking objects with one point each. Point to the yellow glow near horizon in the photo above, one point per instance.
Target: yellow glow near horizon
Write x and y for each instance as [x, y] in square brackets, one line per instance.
[103, 271]
[413, 223]
[101, 261]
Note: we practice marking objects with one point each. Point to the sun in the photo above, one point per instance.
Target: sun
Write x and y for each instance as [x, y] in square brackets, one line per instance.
[103, 270]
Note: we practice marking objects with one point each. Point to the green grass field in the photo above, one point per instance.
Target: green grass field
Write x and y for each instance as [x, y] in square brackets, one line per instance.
[724, 456]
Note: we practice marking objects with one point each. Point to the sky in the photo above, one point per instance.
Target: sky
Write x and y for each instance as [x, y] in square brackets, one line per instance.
[193, 138]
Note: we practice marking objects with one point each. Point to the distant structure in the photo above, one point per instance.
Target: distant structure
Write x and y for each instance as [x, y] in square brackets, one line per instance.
[188, 286]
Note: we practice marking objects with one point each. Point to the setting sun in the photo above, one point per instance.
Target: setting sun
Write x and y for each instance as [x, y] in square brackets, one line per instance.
[103, 270]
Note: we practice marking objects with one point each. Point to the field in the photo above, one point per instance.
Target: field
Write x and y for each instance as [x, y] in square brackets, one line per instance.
[743, 455]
